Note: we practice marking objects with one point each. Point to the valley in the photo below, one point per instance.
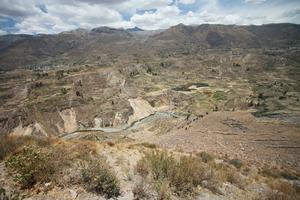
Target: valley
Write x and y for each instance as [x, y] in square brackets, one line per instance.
[185, 94]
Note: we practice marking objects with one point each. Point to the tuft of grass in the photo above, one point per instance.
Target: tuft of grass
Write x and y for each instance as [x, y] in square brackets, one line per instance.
[99, 178]
[219, 96]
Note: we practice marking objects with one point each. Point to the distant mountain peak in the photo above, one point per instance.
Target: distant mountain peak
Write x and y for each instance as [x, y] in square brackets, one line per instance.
[134, 29]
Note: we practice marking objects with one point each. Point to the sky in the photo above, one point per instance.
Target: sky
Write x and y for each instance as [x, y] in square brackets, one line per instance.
[55, 16]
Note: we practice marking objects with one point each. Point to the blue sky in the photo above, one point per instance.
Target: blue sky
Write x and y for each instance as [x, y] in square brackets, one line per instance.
[54, 16]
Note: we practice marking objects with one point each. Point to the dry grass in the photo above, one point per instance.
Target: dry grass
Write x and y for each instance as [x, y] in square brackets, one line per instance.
[99, 178]
[281, 189]
[9, 144]
[183, 175]
[275, 172]
[140, 191]
[33, 161]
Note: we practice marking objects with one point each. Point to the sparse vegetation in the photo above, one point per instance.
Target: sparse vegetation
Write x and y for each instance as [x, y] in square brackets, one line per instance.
[184, 175]
[9, 144]
[139, 191]
[279, 173]
[99, 178]
[205, 156]
[236, 162]
[30, 165]
[219, 96]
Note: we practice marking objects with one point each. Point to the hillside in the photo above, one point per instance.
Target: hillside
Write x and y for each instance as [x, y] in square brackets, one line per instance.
[20, 51]
[207, 112]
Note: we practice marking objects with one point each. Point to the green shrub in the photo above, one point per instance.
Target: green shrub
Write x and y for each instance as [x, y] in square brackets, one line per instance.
[236, 162]
[98, 178]
[29, 166]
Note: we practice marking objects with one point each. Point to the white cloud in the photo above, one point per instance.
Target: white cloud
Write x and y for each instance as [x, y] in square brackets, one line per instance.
[63, 15]
[255, 1]
[162, 18]
[186, 1]
[2, 32]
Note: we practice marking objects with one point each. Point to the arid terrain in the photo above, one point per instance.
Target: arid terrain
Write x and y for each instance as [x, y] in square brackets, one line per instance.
[190, 112]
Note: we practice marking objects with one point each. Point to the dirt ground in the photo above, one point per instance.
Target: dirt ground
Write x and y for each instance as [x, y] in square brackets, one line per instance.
[237, 135]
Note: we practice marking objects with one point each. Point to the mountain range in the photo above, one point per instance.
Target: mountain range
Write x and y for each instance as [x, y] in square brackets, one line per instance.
[90, 46]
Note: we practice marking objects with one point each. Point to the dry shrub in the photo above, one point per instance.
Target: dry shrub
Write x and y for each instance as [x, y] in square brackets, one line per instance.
[30, 166]
[279, 173]
[99, 178]
[227, 173]
[142, 168]
[139, 191]
[284, 188]
[236, 162]
[9, 144]
[47, 160]
[163, 190]
[183, 175]
[205, 157]
[188, 174]
[235, 179]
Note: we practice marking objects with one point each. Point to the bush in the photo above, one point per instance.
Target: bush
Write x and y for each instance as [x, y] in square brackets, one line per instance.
[29, 166]
[98, 178]
[9, 144]
[184, 175]
[161, 164]
[236, 162]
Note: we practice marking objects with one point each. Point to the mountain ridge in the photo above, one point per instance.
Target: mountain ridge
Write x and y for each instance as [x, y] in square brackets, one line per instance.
[19, 51]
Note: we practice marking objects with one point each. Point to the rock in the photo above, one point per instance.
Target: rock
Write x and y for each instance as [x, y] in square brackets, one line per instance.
[73, 194]
[47, 184]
